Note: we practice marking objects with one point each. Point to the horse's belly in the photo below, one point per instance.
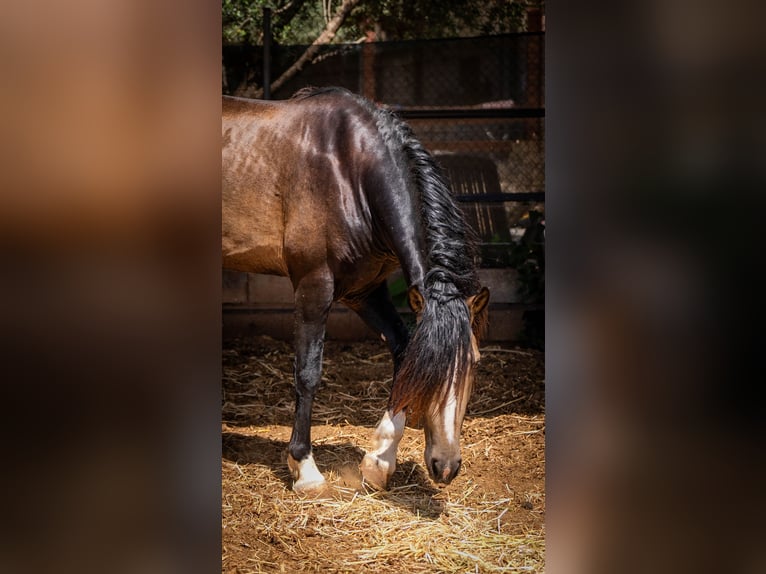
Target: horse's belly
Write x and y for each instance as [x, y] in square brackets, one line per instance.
[255, 259]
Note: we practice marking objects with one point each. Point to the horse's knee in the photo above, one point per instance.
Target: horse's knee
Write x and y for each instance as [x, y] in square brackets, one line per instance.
[308, 362]
[308, 376]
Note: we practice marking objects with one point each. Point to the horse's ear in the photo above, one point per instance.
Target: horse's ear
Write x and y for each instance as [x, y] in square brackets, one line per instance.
[416, 299]
[477, 303]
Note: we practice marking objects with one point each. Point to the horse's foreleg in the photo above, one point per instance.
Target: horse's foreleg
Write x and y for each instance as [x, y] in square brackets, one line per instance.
[379, 313]
[313, 298]
[379, 464]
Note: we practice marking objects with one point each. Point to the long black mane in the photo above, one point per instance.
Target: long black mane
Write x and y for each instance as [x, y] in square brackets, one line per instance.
[438, 354]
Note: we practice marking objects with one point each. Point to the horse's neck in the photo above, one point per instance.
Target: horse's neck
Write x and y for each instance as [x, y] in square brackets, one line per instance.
[414, 270]
[402, 227]
[410, 249]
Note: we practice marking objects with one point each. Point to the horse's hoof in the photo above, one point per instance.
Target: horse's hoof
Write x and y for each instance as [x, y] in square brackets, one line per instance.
[373, 472]
[306, 475]
[309, 486]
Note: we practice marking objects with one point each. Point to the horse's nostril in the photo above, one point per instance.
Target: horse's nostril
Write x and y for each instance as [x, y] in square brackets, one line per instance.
[435, 468]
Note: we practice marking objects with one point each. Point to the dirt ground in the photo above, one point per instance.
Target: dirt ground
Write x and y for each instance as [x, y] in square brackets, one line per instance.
[490, 519]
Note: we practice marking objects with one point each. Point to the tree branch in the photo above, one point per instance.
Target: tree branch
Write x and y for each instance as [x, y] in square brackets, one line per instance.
[285, 14]
[324, 38]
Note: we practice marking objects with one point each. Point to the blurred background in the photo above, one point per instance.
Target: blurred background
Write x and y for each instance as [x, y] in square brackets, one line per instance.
[110, 222]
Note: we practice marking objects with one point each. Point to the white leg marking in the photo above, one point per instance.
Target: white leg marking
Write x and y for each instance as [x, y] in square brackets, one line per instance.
[378, 465]
[306, 474]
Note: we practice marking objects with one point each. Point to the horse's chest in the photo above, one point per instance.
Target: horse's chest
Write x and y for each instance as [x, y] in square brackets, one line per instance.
[354, 282]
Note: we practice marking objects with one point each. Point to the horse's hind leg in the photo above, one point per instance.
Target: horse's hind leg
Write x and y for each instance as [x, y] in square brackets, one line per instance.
[380, 314]
[313, 297]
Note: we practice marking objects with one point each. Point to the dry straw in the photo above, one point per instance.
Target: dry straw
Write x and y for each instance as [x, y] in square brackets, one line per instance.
[489, 520]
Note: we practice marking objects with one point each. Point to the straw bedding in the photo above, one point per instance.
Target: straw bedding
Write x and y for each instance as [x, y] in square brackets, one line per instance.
[490, 519]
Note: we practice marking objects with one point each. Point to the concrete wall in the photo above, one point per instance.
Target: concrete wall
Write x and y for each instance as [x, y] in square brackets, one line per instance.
[263, 304]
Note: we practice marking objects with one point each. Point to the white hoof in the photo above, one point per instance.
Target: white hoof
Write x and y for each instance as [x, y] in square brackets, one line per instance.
[308, 486]
[378, 466]
[375, 472]
[306, 474]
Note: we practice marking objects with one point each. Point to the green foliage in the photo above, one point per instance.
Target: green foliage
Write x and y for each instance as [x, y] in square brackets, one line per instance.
[242, 21]
[398, 290]
[498, 17]
[305, 26]
[528, 258]
[301, 21]
[409, 20]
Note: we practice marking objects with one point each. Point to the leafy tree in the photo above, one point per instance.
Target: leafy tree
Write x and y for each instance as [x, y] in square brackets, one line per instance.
[407, 20]
[302, 21]
[242, 21]
[313, 23]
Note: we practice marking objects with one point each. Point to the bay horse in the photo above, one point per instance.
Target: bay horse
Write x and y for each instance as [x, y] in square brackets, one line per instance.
[335, 193]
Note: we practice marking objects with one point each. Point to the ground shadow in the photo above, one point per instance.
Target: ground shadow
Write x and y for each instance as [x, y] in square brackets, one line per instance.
[409, 487]
[248, 449]
[356, 384]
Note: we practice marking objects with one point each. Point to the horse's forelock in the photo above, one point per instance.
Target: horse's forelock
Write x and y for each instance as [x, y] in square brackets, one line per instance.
[438, 355]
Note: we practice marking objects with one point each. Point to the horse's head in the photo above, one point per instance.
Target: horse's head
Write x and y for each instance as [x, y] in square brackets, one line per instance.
[435, 379]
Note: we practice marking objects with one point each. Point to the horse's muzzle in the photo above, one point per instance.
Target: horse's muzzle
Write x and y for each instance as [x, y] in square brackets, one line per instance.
[443, 471]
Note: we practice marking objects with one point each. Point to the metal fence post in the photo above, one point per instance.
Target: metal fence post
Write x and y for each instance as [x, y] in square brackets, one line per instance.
[266, 53]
